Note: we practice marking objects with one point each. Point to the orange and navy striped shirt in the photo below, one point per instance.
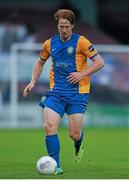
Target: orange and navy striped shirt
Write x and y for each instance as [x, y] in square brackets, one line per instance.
[67, 57]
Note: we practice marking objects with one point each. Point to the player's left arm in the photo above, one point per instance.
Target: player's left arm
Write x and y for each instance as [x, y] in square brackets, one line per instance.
[97, 64]
[89, 51]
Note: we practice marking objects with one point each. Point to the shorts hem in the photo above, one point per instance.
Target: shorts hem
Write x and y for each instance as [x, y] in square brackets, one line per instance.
[61, 115]
[81, 112]
[43, 106]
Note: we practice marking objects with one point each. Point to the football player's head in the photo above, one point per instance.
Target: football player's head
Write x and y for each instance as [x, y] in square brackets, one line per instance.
[65, 21]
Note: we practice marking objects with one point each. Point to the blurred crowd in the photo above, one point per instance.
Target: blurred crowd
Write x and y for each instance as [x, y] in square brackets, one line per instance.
[11, 33]
[33, 26]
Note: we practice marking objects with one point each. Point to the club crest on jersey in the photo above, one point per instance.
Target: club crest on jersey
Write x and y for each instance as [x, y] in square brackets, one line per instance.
[70, 50]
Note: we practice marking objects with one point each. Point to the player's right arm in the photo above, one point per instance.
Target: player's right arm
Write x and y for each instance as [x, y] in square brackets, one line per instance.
[44, 55]
[35, 75]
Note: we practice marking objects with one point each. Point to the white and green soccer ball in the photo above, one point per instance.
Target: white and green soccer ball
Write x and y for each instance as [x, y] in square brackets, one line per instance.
[46, 165]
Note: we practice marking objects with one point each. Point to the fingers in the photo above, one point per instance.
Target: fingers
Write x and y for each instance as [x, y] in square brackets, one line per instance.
[26, 92]
[72, 78]
[27, 89]
[74, 81]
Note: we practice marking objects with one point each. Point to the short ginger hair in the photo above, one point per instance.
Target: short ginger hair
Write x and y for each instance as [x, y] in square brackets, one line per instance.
[65, 14]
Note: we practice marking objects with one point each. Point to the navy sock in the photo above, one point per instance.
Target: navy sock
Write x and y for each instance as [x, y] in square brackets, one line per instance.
[53, 147]
[77, 144]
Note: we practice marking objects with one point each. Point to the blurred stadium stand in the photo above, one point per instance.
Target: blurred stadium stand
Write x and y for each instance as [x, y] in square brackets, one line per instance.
[41, 28]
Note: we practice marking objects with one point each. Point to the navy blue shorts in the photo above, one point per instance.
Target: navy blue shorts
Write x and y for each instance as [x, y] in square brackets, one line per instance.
[60, 103]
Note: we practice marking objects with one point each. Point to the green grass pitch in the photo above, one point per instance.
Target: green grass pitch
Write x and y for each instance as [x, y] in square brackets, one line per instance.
[106, 154]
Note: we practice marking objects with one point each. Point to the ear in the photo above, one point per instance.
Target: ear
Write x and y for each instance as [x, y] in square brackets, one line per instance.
[72, 26]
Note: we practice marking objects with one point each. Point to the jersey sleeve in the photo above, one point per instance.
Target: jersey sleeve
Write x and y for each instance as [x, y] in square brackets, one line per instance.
[87, 48]
[45, 51]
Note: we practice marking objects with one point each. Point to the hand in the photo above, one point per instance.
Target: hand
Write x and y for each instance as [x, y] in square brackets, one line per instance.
[28, 88]
[75, 77]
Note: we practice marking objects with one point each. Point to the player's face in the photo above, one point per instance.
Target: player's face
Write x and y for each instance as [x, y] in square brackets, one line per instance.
[65, 28]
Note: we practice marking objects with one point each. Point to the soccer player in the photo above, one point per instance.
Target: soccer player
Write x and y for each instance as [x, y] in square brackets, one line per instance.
[69, 83]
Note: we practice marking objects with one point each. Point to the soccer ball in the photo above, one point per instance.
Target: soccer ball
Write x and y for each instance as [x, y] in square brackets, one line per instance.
[46, 165]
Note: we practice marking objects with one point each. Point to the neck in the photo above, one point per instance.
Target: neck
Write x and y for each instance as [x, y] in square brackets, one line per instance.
[66, 39]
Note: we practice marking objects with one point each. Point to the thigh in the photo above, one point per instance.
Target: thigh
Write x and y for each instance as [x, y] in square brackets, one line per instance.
[75, 122]
[51, 120]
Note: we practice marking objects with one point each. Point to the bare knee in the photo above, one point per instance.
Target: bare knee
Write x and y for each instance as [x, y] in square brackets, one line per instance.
[74, 134]
[50, 128]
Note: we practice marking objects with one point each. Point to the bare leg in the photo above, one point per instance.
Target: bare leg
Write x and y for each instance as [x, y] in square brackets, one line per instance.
[51, 121]
[75, 126]
[75, 132]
